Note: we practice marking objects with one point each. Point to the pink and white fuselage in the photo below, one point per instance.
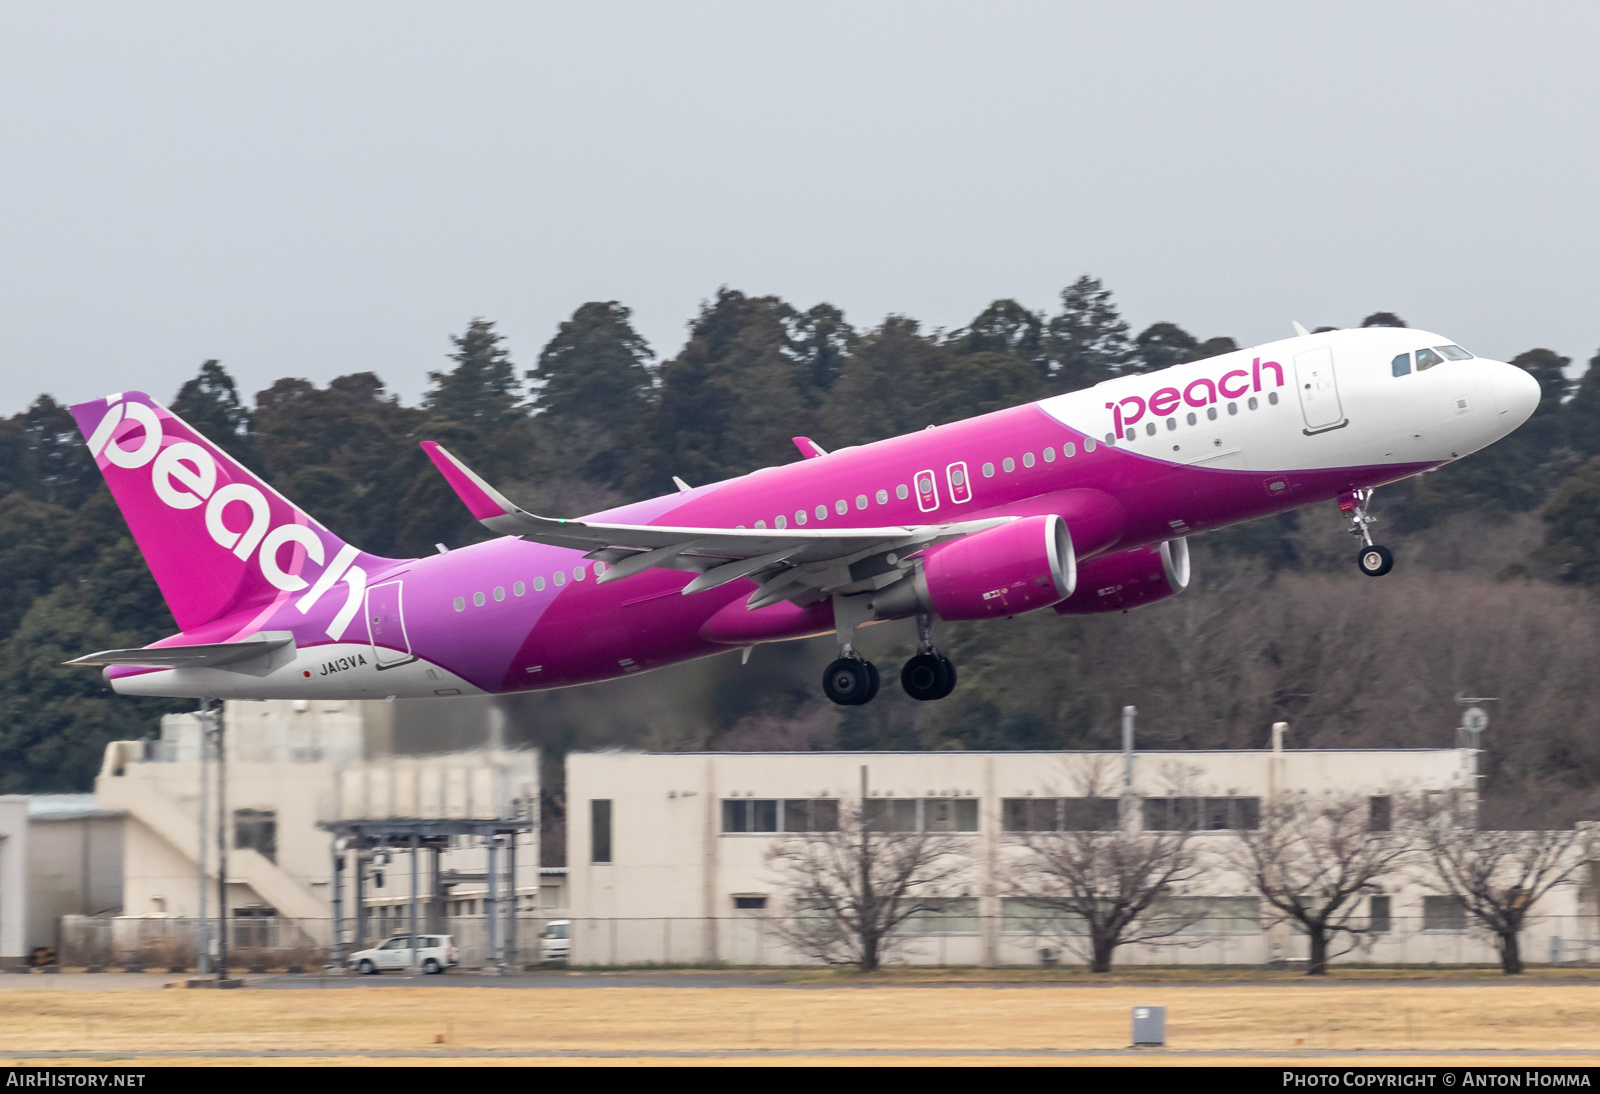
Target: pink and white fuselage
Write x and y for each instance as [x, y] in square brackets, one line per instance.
[1080, 502]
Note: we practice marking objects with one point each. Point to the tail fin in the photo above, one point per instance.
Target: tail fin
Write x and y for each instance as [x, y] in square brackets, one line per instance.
[218, 540]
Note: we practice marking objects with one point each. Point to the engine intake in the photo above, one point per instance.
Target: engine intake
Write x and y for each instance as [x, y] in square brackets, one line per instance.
[1129, 579]
[1005, 570]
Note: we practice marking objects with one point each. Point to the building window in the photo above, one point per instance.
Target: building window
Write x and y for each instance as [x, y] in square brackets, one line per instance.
[1380, 813]
[256, 830]
[1378, 915]
[750, 903]
[775, 815]
[1058, 814]
[1207, 914]
[1203, 814]
[922, 814]
[1443, 913]
[600, 830]
[947, 915]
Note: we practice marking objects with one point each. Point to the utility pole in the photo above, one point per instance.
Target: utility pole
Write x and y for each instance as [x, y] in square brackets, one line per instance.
[202, 932]
[222, 847]
[1129, 799]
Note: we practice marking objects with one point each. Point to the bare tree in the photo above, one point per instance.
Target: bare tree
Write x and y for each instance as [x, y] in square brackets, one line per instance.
[851, 891]
[1496, 875]
[1097, 890]
[1313, 858]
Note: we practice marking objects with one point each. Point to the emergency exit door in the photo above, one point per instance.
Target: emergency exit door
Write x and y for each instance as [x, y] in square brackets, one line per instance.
[386, 625]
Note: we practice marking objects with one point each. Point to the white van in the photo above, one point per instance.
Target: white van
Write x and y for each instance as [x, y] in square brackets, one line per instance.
[555, 941]
[435, 954]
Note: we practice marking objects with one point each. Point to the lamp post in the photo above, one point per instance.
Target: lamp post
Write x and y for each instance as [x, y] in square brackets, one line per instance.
[222, 846]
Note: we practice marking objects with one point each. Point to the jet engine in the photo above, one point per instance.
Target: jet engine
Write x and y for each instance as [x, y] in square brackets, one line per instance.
[1005, 570]
[1129, 579]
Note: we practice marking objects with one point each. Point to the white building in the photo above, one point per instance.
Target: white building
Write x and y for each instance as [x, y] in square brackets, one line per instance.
[294, 768]
[60, 854]
[667, 853]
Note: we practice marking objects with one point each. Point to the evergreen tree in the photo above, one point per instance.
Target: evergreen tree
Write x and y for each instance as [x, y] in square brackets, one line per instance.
[819, 342]
[482, 392]
[596, 367]
[1162, 345]
[210, 403]
[60, 469]
[1582, 412]
[1005, 326]
[1087, 341]
[1383, 319]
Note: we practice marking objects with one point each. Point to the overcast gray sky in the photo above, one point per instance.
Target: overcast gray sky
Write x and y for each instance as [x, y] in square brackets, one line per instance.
[311, 189]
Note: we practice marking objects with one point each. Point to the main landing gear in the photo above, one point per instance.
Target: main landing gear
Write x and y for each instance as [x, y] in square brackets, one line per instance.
[852, 679]
[1372, 559]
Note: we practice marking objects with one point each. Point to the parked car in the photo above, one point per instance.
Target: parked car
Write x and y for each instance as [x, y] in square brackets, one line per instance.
[435, 954]
[555, 941]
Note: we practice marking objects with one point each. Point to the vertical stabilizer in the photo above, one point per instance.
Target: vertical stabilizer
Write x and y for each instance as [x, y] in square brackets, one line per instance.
[218, 540]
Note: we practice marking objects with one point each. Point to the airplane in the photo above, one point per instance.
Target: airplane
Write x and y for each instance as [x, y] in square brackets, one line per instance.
[1078, 503]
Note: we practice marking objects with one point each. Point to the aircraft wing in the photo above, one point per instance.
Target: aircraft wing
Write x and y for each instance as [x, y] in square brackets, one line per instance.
[213, 655]
[796, 564]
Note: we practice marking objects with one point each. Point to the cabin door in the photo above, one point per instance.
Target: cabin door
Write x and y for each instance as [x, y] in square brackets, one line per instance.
[1319, 390]
[386, 626]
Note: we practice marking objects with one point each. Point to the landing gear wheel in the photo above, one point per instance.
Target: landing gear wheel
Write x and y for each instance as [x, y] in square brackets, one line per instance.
[949, 675]
[1375, 561]
[850, 681]
[872, 689]
[925, 677]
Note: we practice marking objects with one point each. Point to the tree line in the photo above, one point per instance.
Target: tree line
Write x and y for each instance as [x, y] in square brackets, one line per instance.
[595, 419]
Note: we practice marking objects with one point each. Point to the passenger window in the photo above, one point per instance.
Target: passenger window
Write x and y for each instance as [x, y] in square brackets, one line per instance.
[1426, 359]
[763, 524]
[822, 512]
[883, 497]
[902, 492]
[1172, 423]
[1050, 455]
[1149, 429]
[577, 573]
[1211, 413]
[499, 592]
[841, 507]
[1027, 459]
[777, 522]
[1111, 438]
[1132, 433]
[1454, 353]
[1192, 419]
[461, 603]
[477, 600]
[799, 516]
[1233, 408]
[1252, 404]
[1008, 464]
[1088, 445]
[1401, 366]
[1069, 450]
[1272, 397]
[988, 470]
[861, 501]
[519, 588]
[538, 584]
[560, 578]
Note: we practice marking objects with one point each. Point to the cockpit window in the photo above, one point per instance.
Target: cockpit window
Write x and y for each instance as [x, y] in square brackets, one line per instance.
[1401, 365]
[1454, 353]
[1426, 359]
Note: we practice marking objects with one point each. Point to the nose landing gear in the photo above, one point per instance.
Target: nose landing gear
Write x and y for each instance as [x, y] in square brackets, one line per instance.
[1373, 560]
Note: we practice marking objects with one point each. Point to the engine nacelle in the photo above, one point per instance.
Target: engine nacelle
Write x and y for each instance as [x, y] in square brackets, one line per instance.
[1129, 579]
[1005, 570]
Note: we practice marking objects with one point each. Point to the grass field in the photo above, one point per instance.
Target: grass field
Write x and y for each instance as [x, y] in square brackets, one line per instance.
[1298, 1023]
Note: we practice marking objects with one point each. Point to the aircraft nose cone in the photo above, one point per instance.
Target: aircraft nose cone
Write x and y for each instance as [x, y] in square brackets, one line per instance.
[1517, 394]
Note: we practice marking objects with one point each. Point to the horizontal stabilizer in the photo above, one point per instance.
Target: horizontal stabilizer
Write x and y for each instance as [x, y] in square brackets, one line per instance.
[257, 655]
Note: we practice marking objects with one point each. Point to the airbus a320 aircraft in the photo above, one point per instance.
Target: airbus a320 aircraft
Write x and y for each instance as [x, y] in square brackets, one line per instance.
[1078, 503]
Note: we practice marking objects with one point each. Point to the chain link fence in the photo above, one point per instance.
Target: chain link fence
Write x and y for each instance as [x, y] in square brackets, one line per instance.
[281, 944]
